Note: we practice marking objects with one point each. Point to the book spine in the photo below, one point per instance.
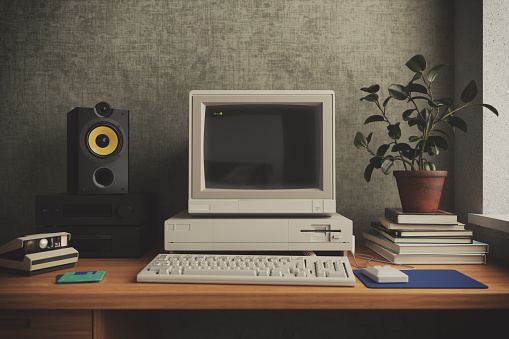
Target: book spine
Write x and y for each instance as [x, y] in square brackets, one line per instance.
[382, 228]
[391, 214]
[386, 223]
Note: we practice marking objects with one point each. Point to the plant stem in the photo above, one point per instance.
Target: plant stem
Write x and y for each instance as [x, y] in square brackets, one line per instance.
[395, 141]
[423, 135]
[450, 113]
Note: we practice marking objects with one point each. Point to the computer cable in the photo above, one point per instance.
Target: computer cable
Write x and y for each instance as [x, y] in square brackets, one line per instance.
[370, 258]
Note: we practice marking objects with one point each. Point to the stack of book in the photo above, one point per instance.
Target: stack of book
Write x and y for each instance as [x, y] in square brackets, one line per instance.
[424, 238]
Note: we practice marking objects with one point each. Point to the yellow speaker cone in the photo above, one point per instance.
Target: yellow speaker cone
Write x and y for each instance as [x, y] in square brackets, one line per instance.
[103, 140]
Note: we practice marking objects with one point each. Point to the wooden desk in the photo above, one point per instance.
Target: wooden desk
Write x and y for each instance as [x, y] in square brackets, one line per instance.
[119, 291]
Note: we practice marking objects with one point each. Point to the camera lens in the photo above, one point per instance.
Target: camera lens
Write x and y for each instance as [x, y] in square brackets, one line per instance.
[30, 246]
[103, 108]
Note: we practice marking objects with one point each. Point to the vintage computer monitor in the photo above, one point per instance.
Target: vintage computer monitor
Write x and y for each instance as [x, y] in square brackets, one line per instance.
[261, 152]
[261, 174]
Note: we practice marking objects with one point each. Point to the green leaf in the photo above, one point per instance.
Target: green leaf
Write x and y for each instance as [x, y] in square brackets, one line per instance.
[434, 143]
[382, 150]
[414, 138]
[457, 122]
[429, 148]
[417, 63]
[470, 92]
[376, 161]
[418, 147]
[429, 166]
[419, 97]
[360, 141]
[436, 151]
[374, 118]
[386, 101]
[401, 147]
[417, 121]
[443, 132]
[491, 108]
[409, 154]
[417, 76]
[417, 88]
[398, 92]
[368, 171]
[371, 97]
[394, 131]
[439, 141]
[368, 138]
[444, 102]
[406, 114]
[433, 104]
[371, 89]
[433, 72]
[387, 166]
[424, 114]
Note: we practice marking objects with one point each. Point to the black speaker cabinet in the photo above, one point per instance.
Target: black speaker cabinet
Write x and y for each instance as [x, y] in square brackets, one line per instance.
[98, 150]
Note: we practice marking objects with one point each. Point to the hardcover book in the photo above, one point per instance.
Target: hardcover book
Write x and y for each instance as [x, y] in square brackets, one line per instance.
[409, 259]
[397, 236]
[423, 233]
[441, 217]
[399, 226]
[425, 248]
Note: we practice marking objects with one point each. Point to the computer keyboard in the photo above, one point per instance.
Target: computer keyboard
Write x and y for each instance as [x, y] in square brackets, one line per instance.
[248, 269]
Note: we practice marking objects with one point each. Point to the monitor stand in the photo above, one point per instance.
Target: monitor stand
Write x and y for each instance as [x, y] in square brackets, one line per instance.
[184, 232]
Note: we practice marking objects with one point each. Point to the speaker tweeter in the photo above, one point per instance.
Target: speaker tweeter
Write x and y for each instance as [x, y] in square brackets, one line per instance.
[103, 109]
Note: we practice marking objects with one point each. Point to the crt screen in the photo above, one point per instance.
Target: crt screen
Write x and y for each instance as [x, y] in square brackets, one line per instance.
[263, 146]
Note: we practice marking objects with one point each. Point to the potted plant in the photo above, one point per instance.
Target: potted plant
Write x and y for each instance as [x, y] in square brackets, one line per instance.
[419, 184]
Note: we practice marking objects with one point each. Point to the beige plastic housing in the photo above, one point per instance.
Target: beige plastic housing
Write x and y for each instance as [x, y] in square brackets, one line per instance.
[316, 201]
[184, 232]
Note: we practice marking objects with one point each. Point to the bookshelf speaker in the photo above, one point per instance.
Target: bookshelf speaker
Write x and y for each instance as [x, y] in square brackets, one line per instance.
[98, 150]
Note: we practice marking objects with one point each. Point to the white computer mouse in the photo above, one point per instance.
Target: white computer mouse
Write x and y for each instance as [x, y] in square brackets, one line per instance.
[385, 274]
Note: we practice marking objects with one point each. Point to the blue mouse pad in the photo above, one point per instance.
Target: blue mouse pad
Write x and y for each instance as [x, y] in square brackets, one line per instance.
[426, 279]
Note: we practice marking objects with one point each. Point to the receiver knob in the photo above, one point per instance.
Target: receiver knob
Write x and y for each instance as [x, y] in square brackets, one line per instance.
[124, 210]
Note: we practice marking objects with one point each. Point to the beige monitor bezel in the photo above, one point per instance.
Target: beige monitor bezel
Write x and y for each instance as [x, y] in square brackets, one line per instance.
[198, 102]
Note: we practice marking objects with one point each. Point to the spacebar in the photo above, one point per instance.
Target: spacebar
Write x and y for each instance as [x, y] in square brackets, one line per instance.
[193, 271]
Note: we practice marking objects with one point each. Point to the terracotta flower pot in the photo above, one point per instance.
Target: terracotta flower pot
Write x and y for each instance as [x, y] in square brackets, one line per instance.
[420, 191]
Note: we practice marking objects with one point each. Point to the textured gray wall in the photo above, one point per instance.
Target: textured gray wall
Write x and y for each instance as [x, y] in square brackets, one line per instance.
[146, 56]
[496, 91]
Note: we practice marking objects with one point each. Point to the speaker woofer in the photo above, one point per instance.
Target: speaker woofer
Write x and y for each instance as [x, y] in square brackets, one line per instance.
[103, 177]
[104, 140]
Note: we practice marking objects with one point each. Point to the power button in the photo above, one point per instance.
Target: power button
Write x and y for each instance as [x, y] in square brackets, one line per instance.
[317, 206]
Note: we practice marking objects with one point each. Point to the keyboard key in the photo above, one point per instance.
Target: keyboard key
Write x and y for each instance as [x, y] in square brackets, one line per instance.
[339, 274]
[192, 271]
